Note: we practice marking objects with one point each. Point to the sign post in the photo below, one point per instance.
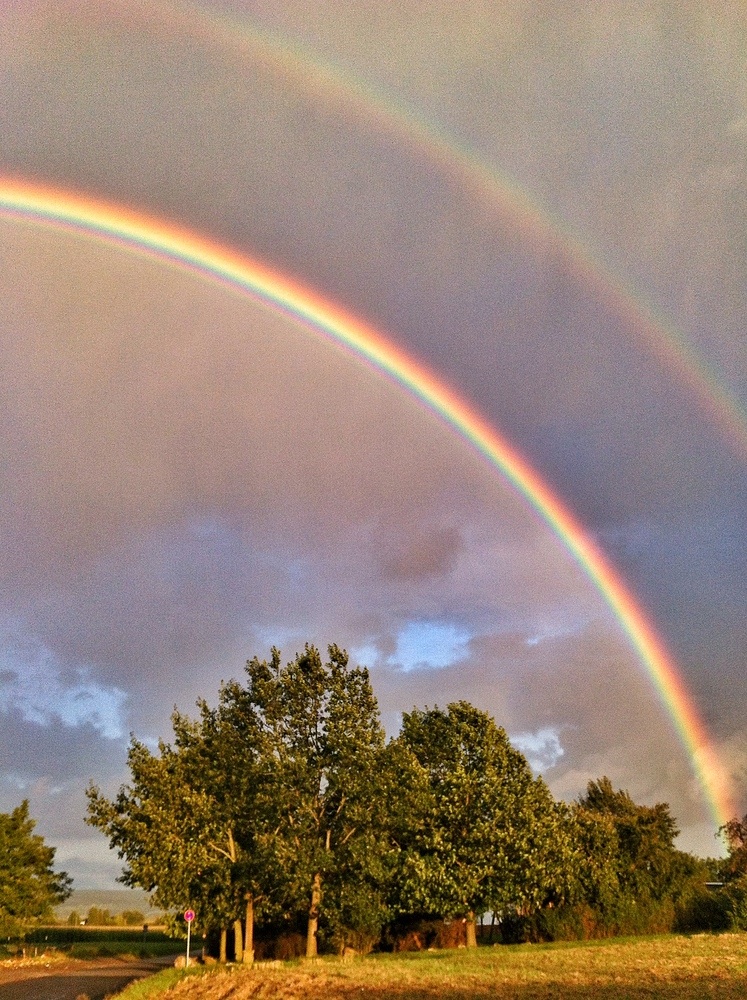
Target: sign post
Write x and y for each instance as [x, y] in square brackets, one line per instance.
[189, 916]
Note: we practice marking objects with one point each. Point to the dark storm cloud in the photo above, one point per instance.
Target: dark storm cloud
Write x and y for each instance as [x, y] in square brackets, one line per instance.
[61, 754]
[427, 554]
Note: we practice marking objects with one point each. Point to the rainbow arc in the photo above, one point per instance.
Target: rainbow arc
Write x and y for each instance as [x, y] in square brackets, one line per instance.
[156, 238]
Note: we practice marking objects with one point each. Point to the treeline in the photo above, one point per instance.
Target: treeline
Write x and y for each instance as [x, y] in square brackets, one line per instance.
[285, 806]
[98, 917]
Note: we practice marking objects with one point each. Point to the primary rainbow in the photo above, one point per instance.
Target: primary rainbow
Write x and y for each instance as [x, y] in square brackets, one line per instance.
[160, 239]
[536, 221]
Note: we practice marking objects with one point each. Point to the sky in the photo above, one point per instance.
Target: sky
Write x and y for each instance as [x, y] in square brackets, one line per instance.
[544, 205]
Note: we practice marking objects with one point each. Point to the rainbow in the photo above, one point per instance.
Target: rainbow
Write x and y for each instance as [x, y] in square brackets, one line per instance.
[164, 241]
[536, 222]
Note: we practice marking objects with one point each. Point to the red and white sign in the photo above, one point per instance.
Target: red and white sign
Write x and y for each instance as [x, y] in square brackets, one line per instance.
[189, 916]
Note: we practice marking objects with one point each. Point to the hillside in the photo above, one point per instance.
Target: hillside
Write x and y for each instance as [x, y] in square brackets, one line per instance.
[114, 900]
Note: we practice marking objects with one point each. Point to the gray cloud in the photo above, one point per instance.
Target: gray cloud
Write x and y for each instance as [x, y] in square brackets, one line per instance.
[189, 478]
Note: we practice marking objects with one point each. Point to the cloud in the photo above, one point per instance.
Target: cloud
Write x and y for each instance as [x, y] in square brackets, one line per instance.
[434, 553]
[427, 645]
[33, 685]
[542, 749]
[189, 478]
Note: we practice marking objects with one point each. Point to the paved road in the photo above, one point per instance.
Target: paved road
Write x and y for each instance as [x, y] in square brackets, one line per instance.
[94, 979]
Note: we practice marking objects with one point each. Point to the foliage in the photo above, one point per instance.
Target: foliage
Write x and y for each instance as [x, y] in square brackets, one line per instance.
[494, 838]
[29, 886]
[630, 878]
[273, 798]
[173, 829]
[99, 918]
[325, 746]
[646, 865]
[734, 834]
[284, 803]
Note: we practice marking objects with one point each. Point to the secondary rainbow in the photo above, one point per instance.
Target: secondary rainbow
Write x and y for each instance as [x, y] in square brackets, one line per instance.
[536, 221]
[160, 239]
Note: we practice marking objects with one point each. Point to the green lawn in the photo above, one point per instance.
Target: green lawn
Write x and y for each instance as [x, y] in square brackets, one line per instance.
[670, 966]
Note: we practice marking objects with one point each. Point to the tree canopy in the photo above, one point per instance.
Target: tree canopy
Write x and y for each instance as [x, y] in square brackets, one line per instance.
[734, 834]
[29, 885]
[284, 805]
[495, 838]
[644, 839]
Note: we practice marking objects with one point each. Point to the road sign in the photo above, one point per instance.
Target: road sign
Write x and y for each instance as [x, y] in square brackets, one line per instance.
[189, 916]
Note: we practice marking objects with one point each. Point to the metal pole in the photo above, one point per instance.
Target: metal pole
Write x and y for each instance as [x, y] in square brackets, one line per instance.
[189, 928]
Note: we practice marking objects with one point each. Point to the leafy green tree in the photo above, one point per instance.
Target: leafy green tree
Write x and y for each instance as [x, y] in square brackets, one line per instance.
[494, 839]
[734, 834]
[166, 826]
[29, 886]
[233, 753]
[99, 918]
[596, 859]
[322, 723]
[268, 802]
[647, 865]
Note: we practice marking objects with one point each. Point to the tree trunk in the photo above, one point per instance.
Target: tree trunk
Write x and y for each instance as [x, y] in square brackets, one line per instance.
[471, 930]
[492, 927]
[249, 937]
[222, 955]
[316, 898]
[238, 941]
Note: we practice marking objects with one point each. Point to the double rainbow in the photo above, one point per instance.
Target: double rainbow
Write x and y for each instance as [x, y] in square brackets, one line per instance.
[489, 186]
[156, 238]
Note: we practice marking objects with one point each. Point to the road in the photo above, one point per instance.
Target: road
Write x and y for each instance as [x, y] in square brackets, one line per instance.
[69, 981]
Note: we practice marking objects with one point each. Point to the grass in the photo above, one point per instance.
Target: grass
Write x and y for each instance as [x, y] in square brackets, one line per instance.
[88, 943]
[122, 949]
[159, 984]
[670, 967]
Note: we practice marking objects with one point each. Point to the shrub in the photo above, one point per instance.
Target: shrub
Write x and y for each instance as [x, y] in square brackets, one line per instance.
[703, 910]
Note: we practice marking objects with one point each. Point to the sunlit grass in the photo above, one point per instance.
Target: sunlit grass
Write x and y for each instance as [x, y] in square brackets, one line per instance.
[160, 983]
[686, 968]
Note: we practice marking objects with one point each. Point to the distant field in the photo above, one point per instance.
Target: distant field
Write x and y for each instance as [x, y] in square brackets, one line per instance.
[685, 968]
[86, 942]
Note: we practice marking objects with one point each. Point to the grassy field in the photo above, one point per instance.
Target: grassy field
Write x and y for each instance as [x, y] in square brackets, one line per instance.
[686, 968]
[86, 943]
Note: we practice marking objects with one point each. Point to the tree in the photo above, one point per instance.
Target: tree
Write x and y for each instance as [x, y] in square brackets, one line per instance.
[494, 838]
[596, 859]
[173, 830]
[267, 803]
[647, 860]
[29, 886]
[99, 918]
[327, 750]
[734, 834]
